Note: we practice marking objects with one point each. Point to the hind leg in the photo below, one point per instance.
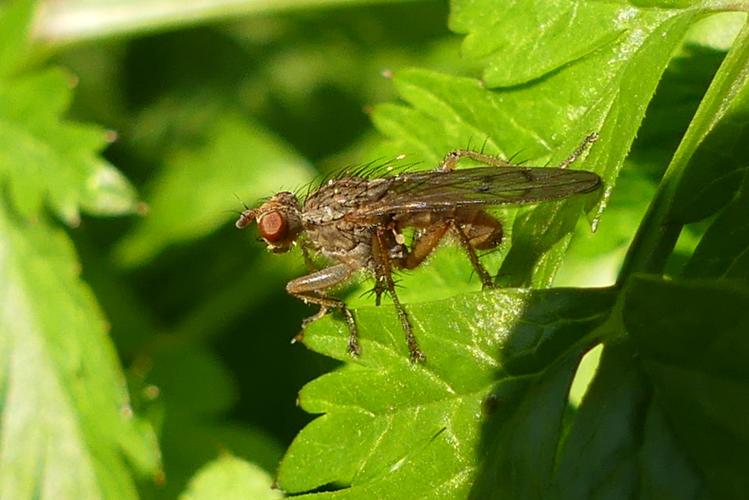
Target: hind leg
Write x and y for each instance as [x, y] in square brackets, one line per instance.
[475, 230]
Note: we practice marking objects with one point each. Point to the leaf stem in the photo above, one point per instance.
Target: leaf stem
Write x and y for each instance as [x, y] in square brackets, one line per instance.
[71, 21]
[660, 229]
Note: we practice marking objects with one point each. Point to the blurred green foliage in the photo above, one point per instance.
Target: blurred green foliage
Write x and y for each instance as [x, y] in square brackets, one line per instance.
[148, 355]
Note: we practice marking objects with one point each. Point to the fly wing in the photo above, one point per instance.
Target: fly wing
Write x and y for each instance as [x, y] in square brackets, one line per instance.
[483, 186]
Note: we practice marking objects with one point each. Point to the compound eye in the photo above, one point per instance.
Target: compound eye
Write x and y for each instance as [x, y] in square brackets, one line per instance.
[273, 226]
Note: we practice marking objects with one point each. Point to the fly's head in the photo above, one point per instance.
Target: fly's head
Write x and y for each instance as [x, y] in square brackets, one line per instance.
[278, 220]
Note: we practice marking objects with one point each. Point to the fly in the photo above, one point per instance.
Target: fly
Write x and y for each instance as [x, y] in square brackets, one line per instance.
[357, 223]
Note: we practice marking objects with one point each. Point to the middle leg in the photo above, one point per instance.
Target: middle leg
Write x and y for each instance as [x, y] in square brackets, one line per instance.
[465, 242]
[384, 275]
[477, 230]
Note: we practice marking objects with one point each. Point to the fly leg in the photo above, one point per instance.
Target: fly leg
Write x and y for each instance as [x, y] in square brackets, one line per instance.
[465, 242]
[379, 289]
[451, 159]
[384, 274]
[426, 242]
[590, 139]
[310, 289]
[474, 230]
[392, 243]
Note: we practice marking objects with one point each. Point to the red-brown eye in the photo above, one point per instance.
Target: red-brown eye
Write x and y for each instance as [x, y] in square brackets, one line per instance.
[273, 226]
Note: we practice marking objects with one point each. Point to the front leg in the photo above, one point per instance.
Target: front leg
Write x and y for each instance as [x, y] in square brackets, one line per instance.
[311, 288]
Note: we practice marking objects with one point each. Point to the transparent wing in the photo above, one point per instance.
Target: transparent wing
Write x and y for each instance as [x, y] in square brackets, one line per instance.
[443, 191]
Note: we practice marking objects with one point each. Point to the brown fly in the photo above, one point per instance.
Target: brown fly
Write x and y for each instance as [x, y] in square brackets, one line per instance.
[357, 222]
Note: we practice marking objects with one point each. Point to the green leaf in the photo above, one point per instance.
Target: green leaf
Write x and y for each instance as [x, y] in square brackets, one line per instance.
[520, 444]
[666, 472]
[67, 428]
[44, 157]
[691, 336]
[230, 478]
[186, 391]
[599, 455]
[723, 250]
[602, 83]
[408, 432]
[706, 168]
[195, 192]
[448, 113]
[594, 259]
[188, 444]
[619, 444]
[15, 18]
[389, 422]
[716, 168]
[563, 32]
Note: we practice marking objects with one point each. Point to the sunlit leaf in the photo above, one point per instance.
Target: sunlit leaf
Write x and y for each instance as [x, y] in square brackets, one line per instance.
[45, 158]
[594, 259]
[230, 478]
[14, 26]
[716, 168]
[389, 422]
[706, 168]
[67, 428]
[551, 88]
[601, 83]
